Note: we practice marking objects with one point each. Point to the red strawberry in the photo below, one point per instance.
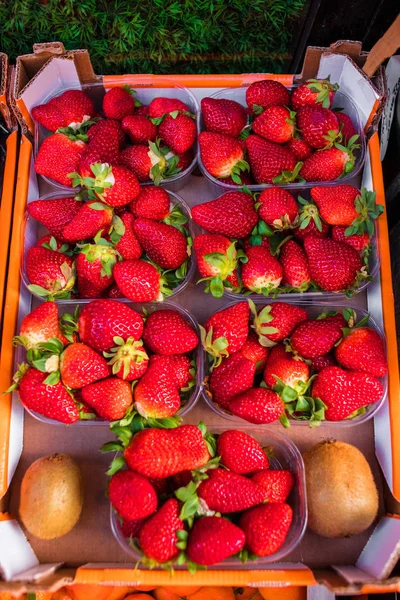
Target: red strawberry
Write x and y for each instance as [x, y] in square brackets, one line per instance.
[300, 148]
[278, 484]
[113, 185]
[319, 363]
[80, 365]
[337, 204]
[161, 453]
[156, 396]
[216, 258]
[51, 401]
[139, 129]
[39, 326]
[137, 160]
[319, 126]
[91, 218]
[268, 160]
[142, 110]
[222, 155]
[185, 160]
[152, 203]
[51, 243]
[106, 125]
[228, 492]
[278, 208]
[129, 360]
[103, 148]
[295, 266]
[166, 332]
[223, 116]
[312, 230]
[178, 132]
[359, 241]
[345, 392]
[276, 321]
[213, 539]
[161, 106]
[289, 369]
[266, 527]
[250, 241]
[362, 349]
[312, 339]
[130, 529]
[54, 214]
[232, 214]
[262, 273]
[241, 453]
[233, 376]
[132, 495]
[118, 103]
[276, 124]
[333, 266]
[58, 156]
[226, 331]
[314, 92]
[114, 292]
[69, 108]
[327, 165]
[158, 536]
[266, 93]
[129, 246]
[49, 273]
[346, 126]
[254, 351]
[110, 398]
[164, 244]
[258, 405]
[178, 366]
[94, 267]
[138, 280]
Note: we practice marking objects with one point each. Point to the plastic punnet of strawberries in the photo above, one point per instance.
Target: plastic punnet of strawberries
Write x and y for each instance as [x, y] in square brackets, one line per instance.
[279, 137]
[107, 361]
[272, 243]
[274, 362]
[186, 497]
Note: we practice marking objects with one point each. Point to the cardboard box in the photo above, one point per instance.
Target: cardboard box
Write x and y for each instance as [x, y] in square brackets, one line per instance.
[90, 554]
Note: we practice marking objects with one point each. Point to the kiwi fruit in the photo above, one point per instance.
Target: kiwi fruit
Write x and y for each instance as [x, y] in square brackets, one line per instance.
[51, 496]
[342, 497]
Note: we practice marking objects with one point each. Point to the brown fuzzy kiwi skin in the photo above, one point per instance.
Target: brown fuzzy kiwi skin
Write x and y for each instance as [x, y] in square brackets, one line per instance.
[51, 496]
[342, 497]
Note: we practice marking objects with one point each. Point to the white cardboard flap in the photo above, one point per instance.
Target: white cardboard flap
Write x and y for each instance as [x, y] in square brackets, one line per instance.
[382, 551]
[16, 554]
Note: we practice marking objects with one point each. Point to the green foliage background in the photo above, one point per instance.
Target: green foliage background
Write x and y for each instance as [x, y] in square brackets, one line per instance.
[158, 36]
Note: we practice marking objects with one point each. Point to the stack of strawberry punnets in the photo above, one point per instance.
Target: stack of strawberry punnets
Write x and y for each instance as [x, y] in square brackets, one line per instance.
[137, 248]
[163, 135]
[188, 497]
[270, 243]
[107, 361]
[278, 137]
[275, 362]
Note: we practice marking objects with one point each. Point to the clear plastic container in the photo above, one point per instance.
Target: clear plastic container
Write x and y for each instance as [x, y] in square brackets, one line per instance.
[150, 308]
[32, 231]
[341, 100]
[313, 310]
[286, 456]
[145, 93]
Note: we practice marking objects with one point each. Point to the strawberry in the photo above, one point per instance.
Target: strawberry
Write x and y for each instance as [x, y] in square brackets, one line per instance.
[216, 258]
[179, 368]
[213, 539]
[258, 405]
[311, 229]
[50, 273]
[162, 453]
[262, 273]
[164, 244]
[54, 214]
[228, 492]
[185, 160]
[314, 92]
[116, 186]
[295, 267]
[319, 126]
[276, 124]
[166, 332]
[241, 453]
[129, 360]
[266, 527]
[299, 147]
[152, 203]
[275, 322]
[80, 365]
[104, 148]
[142, 110]
[336, 204]
[69, 108]
[329, 164]
[312, 339]
[232, 214]
[268, 160]
[138, 280]
[106, 125]
[233, 376]
[362, 349]
[278, 484]
[102, 320]
[139, 129]
[178, 132]
[51, 401]
[130, 529]
[261, 240]
[39, 326]
[156, 396]
[266, 93]
[59, 155]
[132, 495]
[91, 218]
[110, 398]
[223, 116]
[345, 392]
[359, 241]
[51, 243]
[346, 126]
[245, 178]
[319, 363]
[94, 267]
[334, 266]
[137, 160]
[158, 536]
[114, 292]
[281, 364]
[278, 208]
[160, 106]
[118, 103]
[129, 246]
[226, 331]
[222, 155]
[254, 351]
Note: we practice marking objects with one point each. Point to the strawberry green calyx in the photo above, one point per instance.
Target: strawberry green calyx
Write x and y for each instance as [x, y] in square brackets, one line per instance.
[349, 150]
[117, 229]
[164, 162]
[52, 245]
[323, 87]
[18, 375]
[290, 176]
[124, 354]
[102, 180]
[177, 218]
[331, 138]
[69, 324]
[58, 291]
[132, 93]
[259, 324]
[78, 131]
[224, 266]
[306, 408]
[365, 205]
[158, 120]
[104, 252]
[240, 166]
[49, 360]
[215, 349]
[309, 211]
